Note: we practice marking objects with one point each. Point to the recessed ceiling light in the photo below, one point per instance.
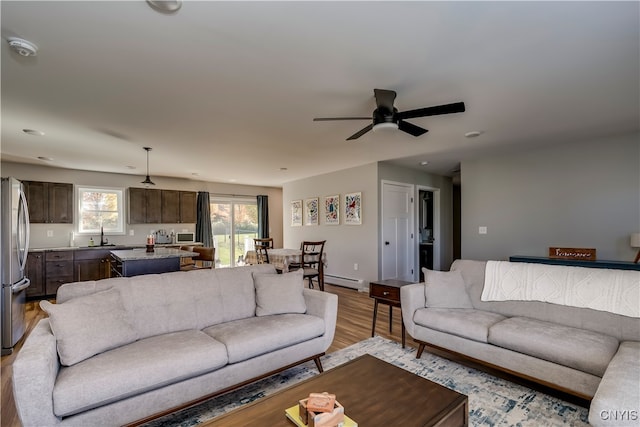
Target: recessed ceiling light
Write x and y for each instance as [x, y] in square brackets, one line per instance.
[130, 167]
[232, 180]
[45, 159]
[33, 132]
[473, 134]
[424, 163]
[165, 6]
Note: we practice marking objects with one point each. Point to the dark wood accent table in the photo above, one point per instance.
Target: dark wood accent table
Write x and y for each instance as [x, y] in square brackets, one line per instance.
[374, 393]
[387, 292]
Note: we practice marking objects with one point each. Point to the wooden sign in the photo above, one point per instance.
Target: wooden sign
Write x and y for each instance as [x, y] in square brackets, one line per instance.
[585, 254]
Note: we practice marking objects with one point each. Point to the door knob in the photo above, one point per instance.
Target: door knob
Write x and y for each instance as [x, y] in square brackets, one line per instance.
[386, 243]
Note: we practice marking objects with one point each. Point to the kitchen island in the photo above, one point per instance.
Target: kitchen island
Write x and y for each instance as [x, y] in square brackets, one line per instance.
[127, 263]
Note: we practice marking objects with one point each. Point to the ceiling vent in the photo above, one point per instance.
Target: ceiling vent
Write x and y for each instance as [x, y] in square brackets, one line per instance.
[23, 47]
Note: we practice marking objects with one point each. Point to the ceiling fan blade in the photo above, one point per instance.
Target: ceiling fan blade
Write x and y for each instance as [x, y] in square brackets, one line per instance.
[411, 129]
[360, 132]
[385, 98]
[326, 119]
[456, 107]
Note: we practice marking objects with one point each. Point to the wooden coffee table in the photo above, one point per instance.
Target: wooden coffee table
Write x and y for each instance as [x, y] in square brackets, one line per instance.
[374, 393]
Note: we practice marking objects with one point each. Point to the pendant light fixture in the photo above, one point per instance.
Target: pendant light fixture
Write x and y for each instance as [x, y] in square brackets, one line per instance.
[147, 181]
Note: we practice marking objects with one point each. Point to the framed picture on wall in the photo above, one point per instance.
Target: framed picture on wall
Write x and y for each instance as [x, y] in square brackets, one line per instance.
[296, 213]
[353, 208]
[311, 211]
[332, 210]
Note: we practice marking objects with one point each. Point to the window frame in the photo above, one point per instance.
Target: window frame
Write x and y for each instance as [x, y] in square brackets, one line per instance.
[119, 191]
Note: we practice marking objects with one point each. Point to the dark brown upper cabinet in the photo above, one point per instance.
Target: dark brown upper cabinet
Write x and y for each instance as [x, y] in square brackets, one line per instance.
[49, 202]
[145, 206]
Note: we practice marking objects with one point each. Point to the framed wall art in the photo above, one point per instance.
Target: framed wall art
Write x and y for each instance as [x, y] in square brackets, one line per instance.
[296, 213]
[311, 211]
[353, 208]
[332, 210]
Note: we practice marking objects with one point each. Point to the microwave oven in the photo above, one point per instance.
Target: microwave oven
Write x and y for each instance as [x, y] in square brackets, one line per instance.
[185, 237]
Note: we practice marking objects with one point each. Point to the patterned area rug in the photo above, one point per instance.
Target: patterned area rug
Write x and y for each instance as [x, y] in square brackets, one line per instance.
[492, 401]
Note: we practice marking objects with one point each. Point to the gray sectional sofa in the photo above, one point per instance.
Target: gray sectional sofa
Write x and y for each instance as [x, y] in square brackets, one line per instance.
[120, 350]
[588, 353]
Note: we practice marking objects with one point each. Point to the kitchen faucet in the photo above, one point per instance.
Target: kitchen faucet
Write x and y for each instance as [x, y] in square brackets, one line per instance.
[103, 241]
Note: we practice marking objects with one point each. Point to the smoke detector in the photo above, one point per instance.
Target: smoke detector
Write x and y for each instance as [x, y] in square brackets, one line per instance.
[23, 47]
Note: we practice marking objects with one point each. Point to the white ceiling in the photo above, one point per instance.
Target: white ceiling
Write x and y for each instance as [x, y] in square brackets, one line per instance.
[228, 90]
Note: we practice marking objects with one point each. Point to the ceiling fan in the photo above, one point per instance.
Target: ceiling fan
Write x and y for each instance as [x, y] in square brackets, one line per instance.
[387, 116]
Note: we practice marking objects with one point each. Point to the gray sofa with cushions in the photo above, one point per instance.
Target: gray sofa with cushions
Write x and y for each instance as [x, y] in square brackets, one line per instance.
[120, 350]
[589, 353]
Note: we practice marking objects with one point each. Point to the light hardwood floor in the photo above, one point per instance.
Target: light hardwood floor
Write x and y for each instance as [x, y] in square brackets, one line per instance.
[355, 312]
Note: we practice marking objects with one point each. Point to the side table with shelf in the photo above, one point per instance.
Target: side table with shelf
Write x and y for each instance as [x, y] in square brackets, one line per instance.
[387, 292]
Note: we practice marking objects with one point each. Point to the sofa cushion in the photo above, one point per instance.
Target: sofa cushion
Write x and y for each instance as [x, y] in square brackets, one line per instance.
[616, 400]
[89, 325]
[463, 322]
[136, 368]
[445, 289]
[576, 348]
[279, 293]
[247, 338]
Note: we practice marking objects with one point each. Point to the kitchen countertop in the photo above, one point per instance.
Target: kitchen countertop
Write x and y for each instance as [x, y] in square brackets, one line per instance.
[109, 247]
[138, 254]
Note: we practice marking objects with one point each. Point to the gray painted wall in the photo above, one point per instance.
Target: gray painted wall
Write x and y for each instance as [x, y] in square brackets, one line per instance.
[61, 232]
[584, 195]
[346, 244]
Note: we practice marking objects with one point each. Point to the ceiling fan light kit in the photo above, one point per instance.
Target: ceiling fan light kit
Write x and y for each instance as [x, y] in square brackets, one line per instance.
[386, 116]
[385, 126]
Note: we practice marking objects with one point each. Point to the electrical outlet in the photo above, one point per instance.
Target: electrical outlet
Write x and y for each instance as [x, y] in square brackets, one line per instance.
[131, 232]
[355, 266]
[49, 233]
[482, 230]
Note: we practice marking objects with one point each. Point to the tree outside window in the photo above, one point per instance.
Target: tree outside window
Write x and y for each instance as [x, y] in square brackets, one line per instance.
[100, 208]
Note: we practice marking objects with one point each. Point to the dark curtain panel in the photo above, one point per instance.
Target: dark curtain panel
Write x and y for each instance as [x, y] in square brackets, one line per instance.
[263, 217]
[204, 233]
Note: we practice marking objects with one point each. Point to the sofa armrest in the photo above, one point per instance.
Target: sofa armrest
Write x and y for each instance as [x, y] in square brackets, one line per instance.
[325, 306]
[412, 297]
[617, 400]
[34, 374]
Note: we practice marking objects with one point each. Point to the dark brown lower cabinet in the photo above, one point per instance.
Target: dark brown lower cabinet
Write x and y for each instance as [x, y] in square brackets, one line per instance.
[58, 270]
[91, 264]
[35, 273]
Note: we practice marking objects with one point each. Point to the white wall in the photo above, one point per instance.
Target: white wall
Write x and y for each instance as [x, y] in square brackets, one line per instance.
[346, 244]
[583, 195]
[61, 232]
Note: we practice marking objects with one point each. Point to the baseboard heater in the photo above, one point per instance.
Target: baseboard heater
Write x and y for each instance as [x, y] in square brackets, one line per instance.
[348, 282]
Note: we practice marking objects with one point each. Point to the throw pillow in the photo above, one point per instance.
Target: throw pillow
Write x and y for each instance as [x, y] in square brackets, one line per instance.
[279, 293]
[88, 325]
[445, 289]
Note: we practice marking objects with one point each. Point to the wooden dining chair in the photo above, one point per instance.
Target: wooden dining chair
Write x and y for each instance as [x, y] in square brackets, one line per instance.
[204, 260]
[311, 262]
[261, 246]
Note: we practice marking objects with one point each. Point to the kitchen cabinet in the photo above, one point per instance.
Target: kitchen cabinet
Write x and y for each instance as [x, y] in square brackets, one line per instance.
[58, 270]
[91, 264]
[35, 273]
[145, 206]
[49, 202]
[178, 207]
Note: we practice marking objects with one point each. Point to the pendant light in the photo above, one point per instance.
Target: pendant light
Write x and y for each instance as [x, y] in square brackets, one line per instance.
[147, 181]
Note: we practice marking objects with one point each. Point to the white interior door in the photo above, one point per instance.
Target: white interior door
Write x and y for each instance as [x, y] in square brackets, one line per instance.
[397, 231]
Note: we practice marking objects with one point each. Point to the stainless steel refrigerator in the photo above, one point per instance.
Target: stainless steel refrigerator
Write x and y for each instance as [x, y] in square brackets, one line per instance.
[14, 249]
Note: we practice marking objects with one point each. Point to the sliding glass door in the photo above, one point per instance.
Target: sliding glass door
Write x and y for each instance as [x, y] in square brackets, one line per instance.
[235, 224]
